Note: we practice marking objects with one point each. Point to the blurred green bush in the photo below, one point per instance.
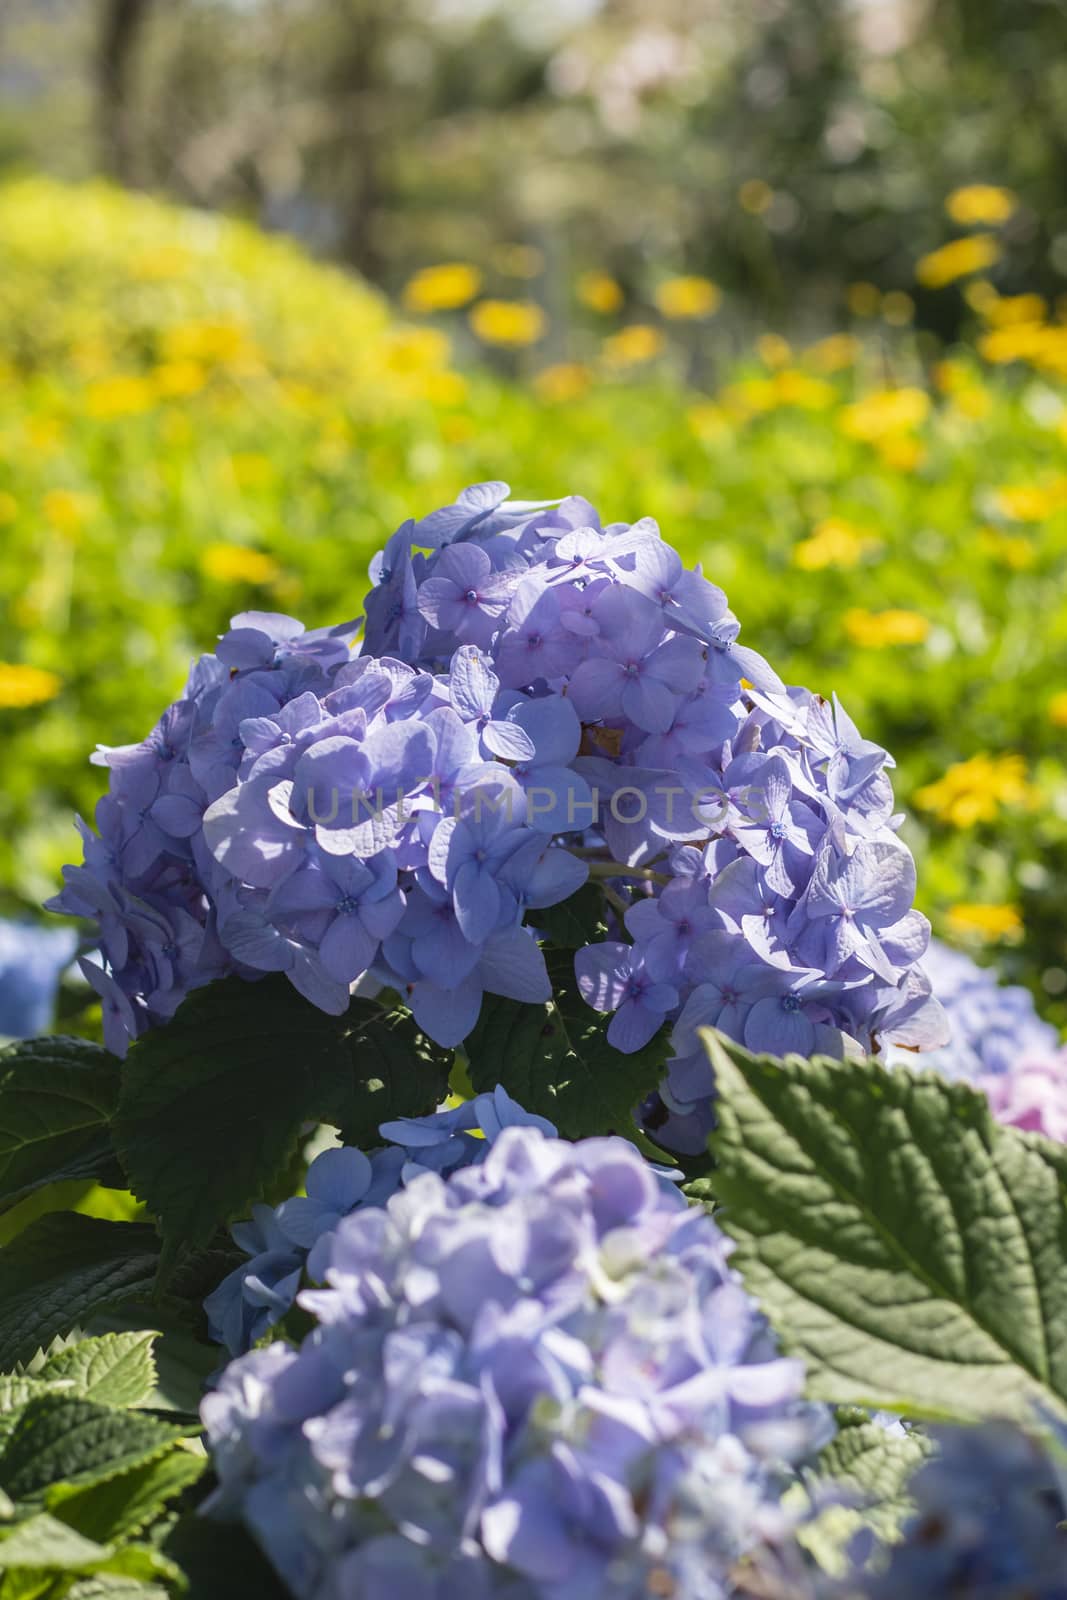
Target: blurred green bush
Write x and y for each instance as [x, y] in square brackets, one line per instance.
[195, 419]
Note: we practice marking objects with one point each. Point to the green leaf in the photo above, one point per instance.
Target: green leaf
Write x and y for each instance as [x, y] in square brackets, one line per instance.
[125, 1504]
[212, 1105]
[556, 1061]
[59, 1440]
[63, 1268]
[576, 921]
[116, 1369]
[910, 1248]
[56, 1098]
[875, 1466]
[399, 1073]
[111, 1588]
[41, 1544]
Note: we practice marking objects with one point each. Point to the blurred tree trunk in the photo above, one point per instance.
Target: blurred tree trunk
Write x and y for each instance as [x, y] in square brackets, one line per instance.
[121, 27]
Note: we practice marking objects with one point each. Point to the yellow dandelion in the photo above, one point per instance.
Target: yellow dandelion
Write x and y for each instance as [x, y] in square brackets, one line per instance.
[599, 292]
[885, 412]
[755, 196]
[221, 344]
[1007, 311]
[901, 452]
[834, 542]
[124, 395]
[864, 299]
[688, 297]
[175, 379]
[236, 563]
[564, 381]
[976, 790]
[22, 686]
[961, 258]
[980, 295]
[445, 287]
[795, 388]
[1010, 549]
[1017, 342]
[443, 388]
[835, 353]
[508, 322]
[879, 630]
[981, 205]
[66, 509]
[632, 345]
[1057, 709]
[1031, 502]
[984, 924]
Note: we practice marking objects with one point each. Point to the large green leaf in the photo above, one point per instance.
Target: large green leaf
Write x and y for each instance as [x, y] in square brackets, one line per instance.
[555, 1060]
[123, 1505]
[62, 1269]
[399, 1073]
[42, 1544]
[114, 1369]
[56, 1098]
[873, 1465]
[212, 1105]
[60, 1440]
[910, 1248]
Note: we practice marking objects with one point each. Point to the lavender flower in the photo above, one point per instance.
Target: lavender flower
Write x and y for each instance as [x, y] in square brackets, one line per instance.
[537, 1377]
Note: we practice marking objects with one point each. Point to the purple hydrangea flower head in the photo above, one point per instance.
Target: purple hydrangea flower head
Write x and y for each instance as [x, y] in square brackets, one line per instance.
[289, 1240]
[534, 1377]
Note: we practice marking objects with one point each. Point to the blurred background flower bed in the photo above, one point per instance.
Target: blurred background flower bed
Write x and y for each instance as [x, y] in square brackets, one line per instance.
[196, 419]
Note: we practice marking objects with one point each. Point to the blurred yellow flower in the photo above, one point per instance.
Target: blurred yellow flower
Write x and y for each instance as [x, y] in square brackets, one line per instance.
[864, 299]
[834, 542]
[564, 381]
[66, 509]
[1057, 709]
[44, 435]
[900, 452]
[958, 259]
[984, 924]
[26, 686]
[9, 507]
[633, 344]
[885, 412]
[161, 262]
[124, 395]
[708, 421]
[975, 791]
[1012, 549]
[980, 205]
[599, 292]
[212, 343]
[773, 350]
[508, 322]
[876, 630]
[1031, 502]
[518, 260]
[442, 288]
[1017, 342]
[236, 563]
[898, 308]
[755, 196]
[1007, 311]
[835, 353]
[795, 388]
[444, 388]
[174, 379]
[688, 297]
[980, 295]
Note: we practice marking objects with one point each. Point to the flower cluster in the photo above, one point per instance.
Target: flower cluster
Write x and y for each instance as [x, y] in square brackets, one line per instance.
[990, 1509]
[537, 1377]
[998, 1043]
[539, 698]
[285, 1240]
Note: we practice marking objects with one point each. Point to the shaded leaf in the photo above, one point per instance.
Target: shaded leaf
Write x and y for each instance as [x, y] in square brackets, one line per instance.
[59, 1440]
[125, 1504]
[56, 1098]
[62, 1269]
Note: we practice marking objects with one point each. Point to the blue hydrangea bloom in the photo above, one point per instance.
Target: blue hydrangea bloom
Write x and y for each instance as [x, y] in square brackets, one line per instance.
[31, 961]
[988, 1524]
[538, 697]
[536, 1377]
[294, 1237]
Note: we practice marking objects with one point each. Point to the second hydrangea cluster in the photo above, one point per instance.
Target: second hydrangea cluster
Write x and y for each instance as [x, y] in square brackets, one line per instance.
[537, 1377]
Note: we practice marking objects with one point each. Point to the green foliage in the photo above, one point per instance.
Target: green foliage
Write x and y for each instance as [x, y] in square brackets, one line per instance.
[116, 1369]
[64, 1268]
[555, 1060]
[910, 1248]
[212, 1105]
[872, 1467]
[56, 1096]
